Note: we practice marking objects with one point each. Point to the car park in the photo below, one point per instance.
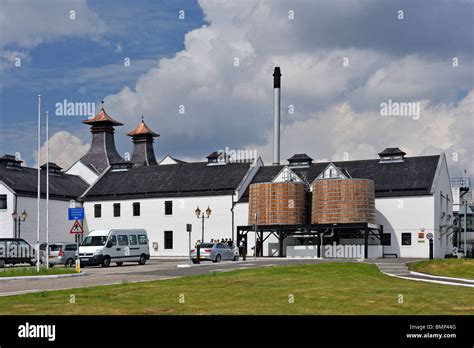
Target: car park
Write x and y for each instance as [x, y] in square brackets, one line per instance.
[102, 247]
[60, 253]
[214, 252]
[16, 251]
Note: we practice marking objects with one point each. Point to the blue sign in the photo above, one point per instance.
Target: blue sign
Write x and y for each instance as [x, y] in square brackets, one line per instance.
[76, 213]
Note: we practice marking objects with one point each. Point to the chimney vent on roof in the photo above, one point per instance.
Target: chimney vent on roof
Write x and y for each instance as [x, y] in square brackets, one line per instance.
[10, 161]
[392, 155]
[276, 115]
[217, 157]
[143, 152]
[53, 168]
[300, 160]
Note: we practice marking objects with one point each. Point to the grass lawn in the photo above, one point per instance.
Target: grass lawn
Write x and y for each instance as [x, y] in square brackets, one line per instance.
[31, 271]
[456, 268]
[329, 288]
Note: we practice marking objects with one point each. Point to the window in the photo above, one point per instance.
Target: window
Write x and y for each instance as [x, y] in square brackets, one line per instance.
[168, 207]
[97, 210]
[142, 239]
[113, 241]
[406, 238]
[116, 209]
[3, 201]
[168, 239]
[71, 247]
[94, 241]
[122, 239]
[386, 239]
[133, 239]
[136, 209]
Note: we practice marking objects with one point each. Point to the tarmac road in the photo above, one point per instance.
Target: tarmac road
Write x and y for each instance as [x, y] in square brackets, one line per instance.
[155, 269]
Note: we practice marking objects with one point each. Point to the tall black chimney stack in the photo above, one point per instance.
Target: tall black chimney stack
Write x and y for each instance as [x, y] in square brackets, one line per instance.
[276, 115]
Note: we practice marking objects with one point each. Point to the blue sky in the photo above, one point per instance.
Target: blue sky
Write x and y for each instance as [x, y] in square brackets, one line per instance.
[142, 30]
[191, 62]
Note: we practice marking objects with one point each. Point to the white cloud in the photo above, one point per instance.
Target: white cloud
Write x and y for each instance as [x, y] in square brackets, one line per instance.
[46, 20]
[336, 107]
[328, 135]
[64, 149]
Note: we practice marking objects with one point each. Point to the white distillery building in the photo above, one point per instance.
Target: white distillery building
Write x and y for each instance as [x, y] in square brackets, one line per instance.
[18, 201]
[412, 195]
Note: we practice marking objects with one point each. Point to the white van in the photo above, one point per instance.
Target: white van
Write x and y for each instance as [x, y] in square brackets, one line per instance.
[101, 247]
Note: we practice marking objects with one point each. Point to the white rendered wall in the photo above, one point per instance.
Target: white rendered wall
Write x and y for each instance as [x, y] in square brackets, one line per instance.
[6, 221]
[59, 226]
[153, 219]
[406, 215]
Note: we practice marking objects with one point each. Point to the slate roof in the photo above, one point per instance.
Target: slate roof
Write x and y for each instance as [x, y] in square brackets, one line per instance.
[23, 180]
[177, 180]
[299, 157]
[52, 165]
[412, 177]
[391, 151]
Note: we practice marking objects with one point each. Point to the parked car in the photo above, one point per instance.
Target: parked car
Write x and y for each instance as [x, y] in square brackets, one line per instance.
[214, 252]
[15, 251]
[60, 253]
[101, 247]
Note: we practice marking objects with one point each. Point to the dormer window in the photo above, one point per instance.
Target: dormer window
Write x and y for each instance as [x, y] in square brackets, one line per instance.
[300, 160]
[333, 172]
[392, 155]
[286, 175]
[121, 166]
[10, 161]
[217, 157]
[54, 169]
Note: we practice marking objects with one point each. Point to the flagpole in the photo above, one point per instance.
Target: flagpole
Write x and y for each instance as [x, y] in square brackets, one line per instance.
[39, 186]
[47, 189]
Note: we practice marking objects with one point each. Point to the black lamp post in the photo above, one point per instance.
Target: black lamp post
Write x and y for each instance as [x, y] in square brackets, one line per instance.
[202, 217]
[18, 219]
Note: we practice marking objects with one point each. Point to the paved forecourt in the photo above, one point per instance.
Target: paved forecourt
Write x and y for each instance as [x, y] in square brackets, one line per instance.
[155, 269]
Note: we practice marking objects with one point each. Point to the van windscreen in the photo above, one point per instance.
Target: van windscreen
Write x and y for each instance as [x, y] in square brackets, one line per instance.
[94, 241]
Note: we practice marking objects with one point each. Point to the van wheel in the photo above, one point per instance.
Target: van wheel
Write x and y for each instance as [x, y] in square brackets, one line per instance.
[119, 263]
[142, 259]
[195, 261]
[106, 262]
[69, 262]
[218, 258]
[236, 258]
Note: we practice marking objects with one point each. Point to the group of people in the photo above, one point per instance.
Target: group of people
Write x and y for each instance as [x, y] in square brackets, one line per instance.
[227, 241]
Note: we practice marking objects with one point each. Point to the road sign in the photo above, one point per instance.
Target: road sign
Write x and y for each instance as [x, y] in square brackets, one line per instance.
[189, 227]
[76, 228]
[76, 213]
[429, 236]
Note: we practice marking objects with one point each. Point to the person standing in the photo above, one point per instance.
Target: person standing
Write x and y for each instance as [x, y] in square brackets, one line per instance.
[198, 251]
[243, 249]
